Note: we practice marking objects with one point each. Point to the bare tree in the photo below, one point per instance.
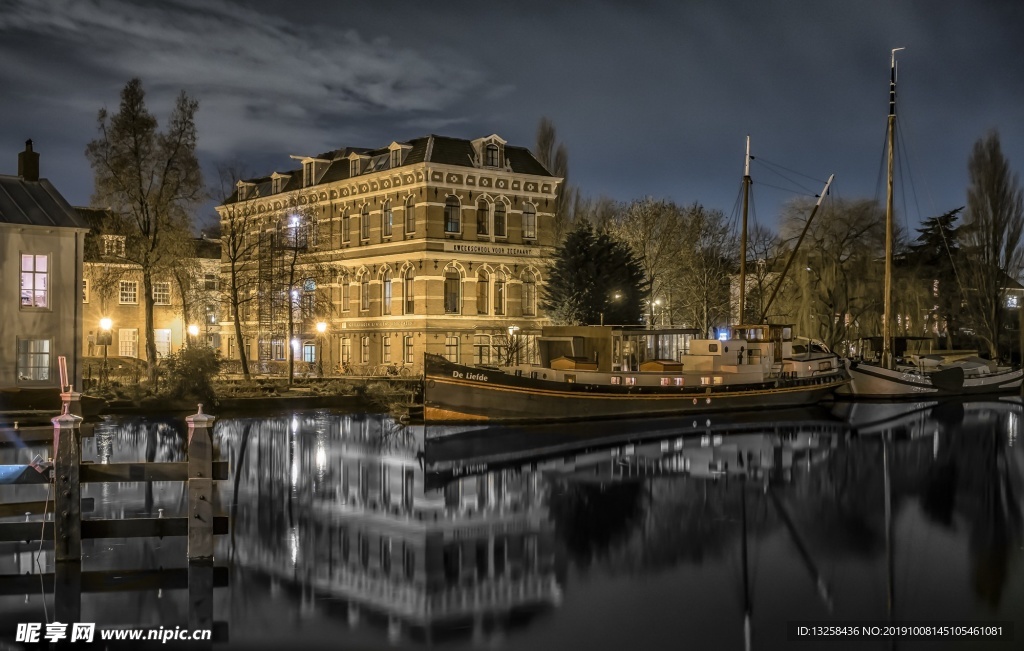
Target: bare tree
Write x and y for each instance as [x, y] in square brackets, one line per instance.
[554, 156]
[700, 288]
[239, 247]
[992, 233]
[653, 230]
[151, 181]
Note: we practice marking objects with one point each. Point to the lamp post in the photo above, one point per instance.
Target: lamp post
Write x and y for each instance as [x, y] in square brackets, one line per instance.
[513, 342]
[193, 332]
[614, 299]
[321, 328]
[105, 326]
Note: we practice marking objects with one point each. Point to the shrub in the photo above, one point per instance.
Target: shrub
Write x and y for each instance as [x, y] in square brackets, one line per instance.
[189, 373]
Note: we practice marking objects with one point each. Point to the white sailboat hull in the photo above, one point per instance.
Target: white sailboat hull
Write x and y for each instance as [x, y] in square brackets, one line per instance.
[869, 381]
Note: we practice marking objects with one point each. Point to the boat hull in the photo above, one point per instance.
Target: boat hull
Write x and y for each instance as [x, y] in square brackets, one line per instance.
[877, 383]
[456, 393]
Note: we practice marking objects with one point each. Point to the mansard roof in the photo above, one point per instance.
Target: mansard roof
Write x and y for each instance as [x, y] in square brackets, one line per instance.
[35, 203]
[443, 150]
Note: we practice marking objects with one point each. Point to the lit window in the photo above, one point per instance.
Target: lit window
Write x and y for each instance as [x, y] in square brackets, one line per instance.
[705, 380]
[666, 381]
[407, 289]
[410, 217]
[387, 350]
[616, 379]
[529, 221]
[33, 360]
[451, 349]
[679, 381]
[499, 220]
[719, 379]
[452, 283]
[385, 307]
[631, 381]
[211, 313]
[128, 342]
[482, 215]
[491, 155]
[452, 216]
[529, 294]
[482, 292]
[1012, 301]
[499, 293]
[129, 292]
[309, 353]
[35, 281]
[387, 219]
[408, 350]
[162, 293]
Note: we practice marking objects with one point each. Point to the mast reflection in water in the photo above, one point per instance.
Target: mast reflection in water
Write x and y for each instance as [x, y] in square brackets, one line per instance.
[352, 531]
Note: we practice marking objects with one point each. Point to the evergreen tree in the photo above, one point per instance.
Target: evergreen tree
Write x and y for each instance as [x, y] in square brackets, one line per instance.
[934, 259]
[594, 278]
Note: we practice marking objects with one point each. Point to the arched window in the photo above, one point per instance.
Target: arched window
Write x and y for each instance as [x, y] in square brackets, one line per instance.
[482, 217]
[452, 215]
[387, 219]
[452, 291]
[385, 305]
[491, 155]
[346, 293]
[529, 294]
[529, 221]
[364, 223]
[364, 293]
[410, 217]
[407, 290]
[499, 219]
[499, 294]
[483, 291]
[345, 222]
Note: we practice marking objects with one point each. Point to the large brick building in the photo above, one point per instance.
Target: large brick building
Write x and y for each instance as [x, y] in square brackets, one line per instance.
[432, 245]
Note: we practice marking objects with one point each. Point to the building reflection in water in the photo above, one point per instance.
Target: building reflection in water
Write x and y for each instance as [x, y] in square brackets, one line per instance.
[338, 506]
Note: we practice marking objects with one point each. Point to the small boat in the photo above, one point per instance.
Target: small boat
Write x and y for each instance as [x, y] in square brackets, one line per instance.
[893, 376]
[588, 372]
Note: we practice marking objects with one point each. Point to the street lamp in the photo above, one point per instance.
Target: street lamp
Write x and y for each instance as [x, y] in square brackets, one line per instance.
[193, 332]
[321, 328]
[513, 342]
[105, 326]
[615, 298]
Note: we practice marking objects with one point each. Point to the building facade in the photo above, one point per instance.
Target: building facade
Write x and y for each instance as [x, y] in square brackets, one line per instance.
[41, 247]
[112, 289]
[433, 245]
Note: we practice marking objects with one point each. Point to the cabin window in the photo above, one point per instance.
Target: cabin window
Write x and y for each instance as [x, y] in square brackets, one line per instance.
[616, 379]
[678, 381]
[571, 379]
[631, 381]
[705, 380]
[712, 348]
[719, 379]
[666, 381]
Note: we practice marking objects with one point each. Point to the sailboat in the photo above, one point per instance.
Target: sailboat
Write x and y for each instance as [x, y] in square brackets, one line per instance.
[886, 378]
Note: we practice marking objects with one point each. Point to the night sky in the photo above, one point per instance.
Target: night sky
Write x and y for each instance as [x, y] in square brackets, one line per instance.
[651, 98]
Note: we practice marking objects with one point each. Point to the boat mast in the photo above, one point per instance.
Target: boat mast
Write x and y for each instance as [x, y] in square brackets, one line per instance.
[743, 233]
[887, 304]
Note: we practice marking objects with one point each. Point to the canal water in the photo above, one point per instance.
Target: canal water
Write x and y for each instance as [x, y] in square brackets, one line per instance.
[353, 531]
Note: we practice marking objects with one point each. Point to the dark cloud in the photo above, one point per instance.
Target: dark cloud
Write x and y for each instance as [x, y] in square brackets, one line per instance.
[652, 98]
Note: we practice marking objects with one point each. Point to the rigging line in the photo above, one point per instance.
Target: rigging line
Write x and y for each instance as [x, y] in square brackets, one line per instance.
[768, 162]
[806, 193]
[794, 182]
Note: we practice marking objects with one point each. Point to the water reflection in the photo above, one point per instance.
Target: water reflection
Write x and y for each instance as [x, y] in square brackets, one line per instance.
[353, 530]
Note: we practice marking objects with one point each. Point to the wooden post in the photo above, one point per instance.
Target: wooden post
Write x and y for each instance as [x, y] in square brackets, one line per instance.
[67, 592]
[67, 503]
[200, 597]
[200, 486]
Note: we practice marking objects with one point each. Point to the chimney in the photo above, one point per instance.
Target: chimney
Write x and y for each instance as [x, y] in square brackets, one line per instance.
[28, 163]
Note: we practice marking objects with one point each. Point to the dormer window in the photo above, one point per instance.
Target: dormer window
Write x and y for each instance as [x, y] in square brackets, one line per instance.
[355, 167]
[396, 158]
[307, 174]
[276, 183]
[241, 191]
[491, 155]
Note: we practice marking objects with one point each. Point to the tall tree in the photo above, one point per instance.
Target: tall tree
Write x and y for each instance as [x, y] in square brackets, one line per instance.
[700, 287]
[934, 259]
[239, 247]
[151, 181]
[992, 233]
[653, 231]
[594, 278]
[554, 156]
